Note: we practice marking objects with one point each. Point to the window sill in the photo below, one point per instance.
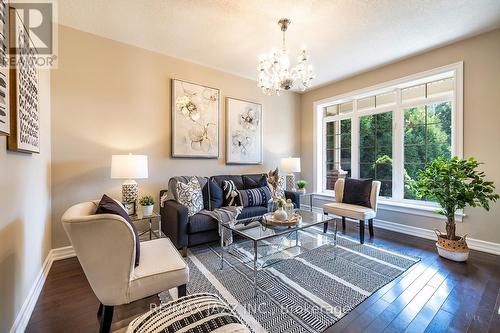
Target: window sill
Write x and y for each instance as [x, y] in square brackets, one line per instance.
[427, 210]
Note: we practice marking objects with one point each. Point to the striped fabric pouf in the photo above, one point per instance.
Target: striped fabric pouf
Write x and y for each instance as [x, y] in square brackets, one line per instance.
[197, 313]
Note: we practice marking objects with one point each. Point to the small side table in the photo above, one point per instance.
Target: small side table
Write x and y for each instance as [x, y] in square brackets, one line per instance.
[311, 197]
[150, 218]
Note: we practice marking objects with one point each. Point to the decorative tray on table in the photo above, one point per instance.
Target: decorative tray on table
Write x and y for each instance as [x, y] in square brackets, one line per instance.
[293, 219]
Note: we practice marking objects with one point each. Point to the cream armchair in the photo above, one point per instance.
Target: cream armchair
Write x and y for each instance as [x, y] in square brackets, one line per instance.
[356, 212]
[105, 247]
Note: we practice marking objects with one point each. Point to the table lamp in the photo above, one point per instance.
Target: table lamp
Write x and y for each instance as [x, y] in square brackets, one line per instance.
[290, 165]
[129, 167]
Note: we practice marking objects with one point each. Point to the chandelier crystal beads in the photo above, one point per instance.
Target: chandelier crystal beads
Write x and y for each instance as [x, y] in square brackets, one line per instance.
[274, 69]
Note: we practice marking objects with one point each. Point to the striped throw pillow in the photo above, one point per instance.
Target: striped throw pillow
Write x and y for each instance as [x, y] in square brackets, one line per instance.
[255, 197]
[231, 195]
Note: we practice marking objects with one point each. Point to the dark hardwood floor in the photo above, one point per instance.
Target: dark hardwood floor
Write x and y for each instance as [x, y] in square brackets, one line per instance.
[435, 295]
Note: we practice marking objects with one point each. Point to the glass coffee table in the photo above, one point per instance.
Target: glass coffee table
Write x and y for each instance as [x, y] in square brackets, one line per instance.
[275, 243]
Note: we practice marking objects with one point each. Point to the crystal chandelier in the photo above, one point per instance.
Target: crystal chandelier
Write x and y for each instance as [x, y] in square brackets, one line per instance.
[275, 73]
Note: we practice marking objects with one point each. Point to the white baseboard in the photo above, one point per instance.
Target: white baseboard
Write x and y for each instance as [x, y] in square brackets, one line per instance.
[63, 253]
[24, 314]
[474, 244]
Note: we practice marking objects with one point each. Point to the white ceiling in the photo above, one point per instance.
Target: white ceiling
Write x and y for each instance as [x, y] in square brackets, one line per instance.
[344, 37]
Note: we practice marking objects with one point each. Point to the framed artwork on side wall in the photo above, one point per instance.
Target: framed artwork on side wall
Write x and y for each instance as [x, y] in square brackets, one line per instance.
[24, 108]
[4, 69]
[244, 132]
[195, 120]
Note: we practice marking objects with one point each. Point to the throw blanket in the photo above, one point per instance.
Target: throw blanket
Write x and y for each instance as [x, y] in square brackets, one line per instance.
[197, 313]
[224, 215]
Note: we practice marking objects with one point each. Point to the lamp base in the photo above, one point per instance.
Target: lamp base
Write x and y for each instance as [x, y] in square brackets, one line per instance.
[130, 190]
[290, 182]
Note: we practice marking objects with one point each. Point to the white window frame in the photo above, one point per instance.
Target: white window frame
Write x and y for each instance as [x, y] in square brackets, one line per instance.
[319, 125]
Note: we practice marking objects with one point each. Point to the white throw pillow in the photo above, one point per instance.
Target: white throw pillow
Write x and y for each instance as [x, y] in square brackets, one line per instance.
[190, 195]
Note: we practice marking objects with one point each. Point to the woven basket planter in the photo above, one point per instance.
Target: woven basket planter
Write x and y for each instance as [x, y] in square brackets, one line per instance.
[452, 249]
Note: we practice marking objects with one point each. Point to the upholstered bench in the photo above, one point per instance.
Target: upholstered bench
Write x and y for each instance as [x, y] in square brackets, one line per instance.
[197, 313]
[357, 212]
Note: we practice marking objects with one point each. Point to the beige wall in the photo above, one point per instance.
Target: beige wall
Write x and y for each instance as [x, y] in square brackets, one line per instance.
[110, 98]
[25, 236]
[481, 57]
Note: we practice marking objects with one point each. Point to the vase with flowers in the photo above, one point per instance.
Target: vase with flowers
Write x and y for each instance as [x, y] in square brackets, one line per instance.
[280, 214]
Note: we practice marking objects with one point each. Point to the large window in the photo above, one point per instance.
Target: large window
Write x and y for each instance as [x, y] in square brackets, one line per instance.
[391, 132]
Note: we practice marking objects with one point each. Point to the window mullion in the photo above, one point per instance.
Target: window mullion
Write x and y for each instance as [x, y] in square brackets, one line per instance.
[398, 150]
[355, 141]
[324, 158]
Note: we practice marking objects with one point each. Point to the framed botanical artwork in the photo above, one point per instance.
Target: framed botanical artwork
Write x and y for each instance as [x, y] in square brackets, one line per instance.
[24, 108]
[195, 120]
[244, 132]
[4, 69]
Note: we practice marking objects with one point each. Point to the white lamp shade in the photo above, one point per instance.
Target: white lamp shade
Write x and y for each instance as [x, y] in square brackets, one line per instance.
[129, 166]
[290, 164]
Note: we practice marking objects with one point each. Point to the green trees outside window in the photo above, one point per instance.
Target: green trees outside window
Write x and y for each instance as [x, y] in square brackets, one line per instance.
[427, 136]
[375, 150]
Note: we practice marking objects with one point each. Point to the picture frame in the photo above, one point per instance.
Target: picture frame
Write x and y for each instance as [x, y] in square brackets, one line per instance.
[195, 120]
[244, 132]
[4, 69]
[23, 85]
[130, 206]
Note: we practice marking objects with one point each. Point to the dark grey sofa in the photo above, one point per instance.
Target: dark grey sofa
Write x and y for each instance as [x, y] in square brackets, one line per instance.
[186, 231]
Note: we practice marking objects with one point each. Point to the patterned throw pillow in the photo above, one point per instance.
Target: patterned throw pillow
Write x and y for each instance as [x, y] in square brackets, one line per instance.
[190, 195]
[255, 197]
[231, 195]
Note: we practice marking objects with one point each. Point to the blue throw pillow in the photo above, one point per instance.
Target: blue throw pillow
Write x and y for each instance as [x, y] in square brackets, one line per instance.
[250, 183]
[213, 197]
[255, 197]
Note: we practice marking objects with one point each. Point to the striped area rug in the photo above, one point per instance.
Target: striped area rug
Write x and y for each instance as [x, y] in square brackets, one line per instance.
[308, 293]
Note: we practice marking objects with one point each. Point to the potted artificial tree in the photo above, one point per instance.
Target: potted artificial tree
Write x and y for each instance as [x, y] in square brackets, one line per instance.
[454, 184]
[147, 204]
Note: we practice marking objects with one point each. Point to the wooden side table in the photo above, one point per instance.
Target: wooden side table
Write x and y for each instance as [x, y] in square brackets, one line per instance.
[150, 218]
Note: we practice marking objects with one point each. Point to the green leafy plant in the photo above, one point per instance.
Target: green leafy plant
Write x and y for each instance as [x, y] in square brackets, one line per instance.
[280, 202]
[384, 159]
[146, 200]
[454, 184]
[301, 184]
